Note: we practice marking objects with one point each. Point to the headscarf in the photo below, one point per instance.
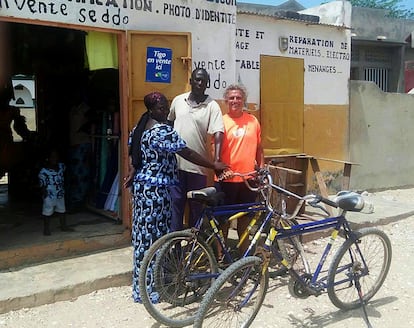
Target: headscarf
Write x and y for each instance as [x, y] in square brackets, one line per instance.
[153, 98]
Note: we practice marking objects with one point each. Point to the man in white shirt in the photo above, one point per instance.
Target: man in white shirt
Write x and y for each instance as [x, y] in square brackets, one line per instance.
[195, 116]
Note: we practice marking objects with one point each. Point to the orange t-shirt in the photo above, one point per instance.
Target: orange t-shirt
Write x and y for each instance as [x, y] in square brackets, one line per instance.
[239, 147]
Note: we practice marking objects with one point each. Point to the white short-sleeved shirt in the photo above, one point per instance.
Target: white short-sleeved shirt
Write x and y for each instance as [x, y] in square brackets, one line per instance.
[194, 122]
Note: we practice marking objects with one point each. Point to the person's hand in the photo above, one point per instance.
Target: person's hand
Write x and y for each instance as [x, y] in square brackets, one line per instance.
[128, 181]
[226, 174]
[220, 166]
[130, 177]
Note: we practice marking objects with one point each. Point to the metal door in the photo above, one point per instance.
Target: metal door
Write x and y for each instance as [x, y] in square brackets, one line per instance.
[281, 104]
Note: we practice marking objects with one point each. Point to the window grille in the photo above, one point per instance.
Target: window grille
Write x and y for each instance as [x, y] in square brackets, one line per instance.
[377, 75]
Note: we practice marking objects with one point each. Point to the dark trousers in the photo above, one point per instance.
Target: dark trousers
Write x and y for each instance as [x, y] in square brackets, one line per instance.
[237, 193]
[187, 181]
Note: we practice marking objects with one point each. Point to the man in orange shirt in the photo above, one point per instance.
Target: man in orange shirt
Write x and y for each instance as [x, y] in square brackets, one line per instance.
[242, 150]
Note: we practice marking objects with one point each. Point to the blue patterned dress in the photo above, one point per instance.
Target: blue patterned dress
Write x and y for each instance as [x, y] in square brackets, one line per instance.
[151, 197]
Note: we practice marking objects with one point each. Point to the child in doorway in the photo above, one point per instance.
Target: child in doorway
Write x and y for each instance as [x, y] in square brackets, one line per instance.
[51, 178]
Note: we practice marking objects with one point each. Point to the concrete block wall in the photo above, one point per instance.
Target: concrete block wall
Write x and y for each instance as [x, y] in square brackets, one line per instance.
[381, 137]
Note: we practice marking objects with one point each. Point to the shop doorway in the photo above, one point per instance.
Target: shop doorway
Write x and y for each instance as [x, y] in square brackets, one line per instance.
[75, 109]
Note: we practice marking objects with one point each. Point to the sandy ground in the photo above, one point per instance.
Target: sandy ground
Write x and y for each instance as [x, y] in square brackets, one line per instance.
[113, 307]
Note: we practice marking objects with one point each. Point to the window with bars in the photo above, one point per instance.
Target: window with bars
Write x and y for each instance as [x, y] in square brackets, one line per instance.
[377, 75]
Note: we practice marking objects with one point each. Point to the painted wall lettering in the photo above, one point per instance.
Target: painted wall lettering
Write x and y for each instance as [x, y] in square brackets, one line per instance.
[144, 5]
[224, 2]
[308, 41]
[215, 68]
[297, 45]
[215, 16]
[248, 64]
[314, 47]
[321, 69]
[242, 45]
[337, 55]
[242, 35]
[300, 51]
[91, 16]
[218, 16]
[176, 10]
[259, 35]
[4, 4]
[118, 13]
[40, 7]
[245, 33]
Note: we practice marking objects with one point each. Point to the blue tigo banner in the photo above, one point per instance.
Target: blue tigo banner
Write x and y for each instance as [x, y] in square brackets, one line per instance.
[158, 65]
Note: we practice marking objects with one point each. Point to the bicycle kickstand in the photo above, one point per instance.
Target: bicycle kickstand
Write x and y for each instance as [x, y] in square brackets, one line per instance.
[364, 310]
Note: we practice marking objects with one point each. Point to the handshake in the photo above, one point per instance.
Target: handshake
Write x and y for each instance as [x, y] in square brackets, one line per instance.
[225, 174]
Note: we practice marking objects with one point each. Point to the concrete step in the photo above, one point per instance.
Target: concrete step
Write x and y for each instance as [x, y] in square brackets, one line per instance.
[64, 279]
[22, 241]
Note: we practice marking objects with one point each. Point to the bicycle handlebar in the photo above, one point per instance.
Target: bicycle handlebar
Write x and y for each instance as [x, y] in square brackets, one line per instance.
[265, 179]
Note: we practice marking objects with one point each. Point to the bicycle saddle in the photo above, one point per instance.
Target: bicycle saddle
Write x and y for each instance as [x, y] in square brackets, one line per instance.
[208, 195]
[349, 201]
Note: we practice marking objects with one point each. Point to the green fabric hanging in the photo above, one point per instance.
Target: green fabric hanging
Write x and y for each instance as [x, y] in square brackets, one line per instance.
[102, 50]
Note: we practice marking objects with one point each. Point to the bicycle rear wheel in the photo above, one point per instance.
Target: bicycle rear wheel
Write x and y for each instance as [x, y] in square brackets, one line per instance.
[184, 267]
[366, 257]
[235, 298]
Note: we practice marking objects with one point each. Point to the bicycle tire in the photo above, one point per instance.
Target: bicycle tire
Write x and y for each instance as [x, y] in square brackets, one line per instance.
[217, 309]
[291, 249]
[375, 247]
[178, 299]
[169, 265]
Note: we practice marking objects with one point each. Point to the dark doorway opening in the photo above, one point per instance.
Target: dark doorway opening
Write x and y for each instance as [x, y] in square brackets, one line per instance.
[57, 61]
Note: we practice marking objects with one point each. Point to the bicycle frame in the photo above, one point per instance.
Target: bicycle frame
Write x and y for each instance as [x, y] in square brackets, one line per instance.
[231, 212]
[235, 211]
[264, 208]
[316, 285]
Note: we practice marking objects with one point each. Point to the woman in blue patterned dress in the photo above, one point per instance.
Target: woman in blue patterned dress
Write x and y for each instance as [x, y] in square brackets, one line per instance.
[153, 168]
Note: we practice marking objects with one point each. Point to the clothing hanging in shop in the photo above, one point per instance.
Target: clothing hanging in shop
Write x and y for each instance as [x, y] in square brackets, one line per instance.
[101, 50]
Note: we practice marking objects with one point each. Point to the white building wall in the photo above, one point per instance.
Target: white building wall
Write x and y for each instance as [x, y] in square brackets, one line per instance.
[325, 49]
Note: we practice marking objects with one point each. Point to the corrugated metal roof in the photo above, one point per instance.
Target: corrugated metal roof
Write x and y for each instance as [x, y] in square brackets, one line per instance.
[286, 11]
[290, 5]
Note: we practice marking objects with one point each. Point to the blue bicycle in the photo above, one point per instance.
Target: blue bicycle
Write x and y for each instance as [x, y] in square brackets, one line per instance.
[356, 273]
[182, 265]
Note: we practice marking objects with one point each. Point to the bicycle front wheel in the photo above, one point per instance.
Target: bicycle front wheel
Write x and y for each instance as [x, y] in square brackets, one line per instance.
[366, 258]
[291, 250]
[235, 298]
[184, 267]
